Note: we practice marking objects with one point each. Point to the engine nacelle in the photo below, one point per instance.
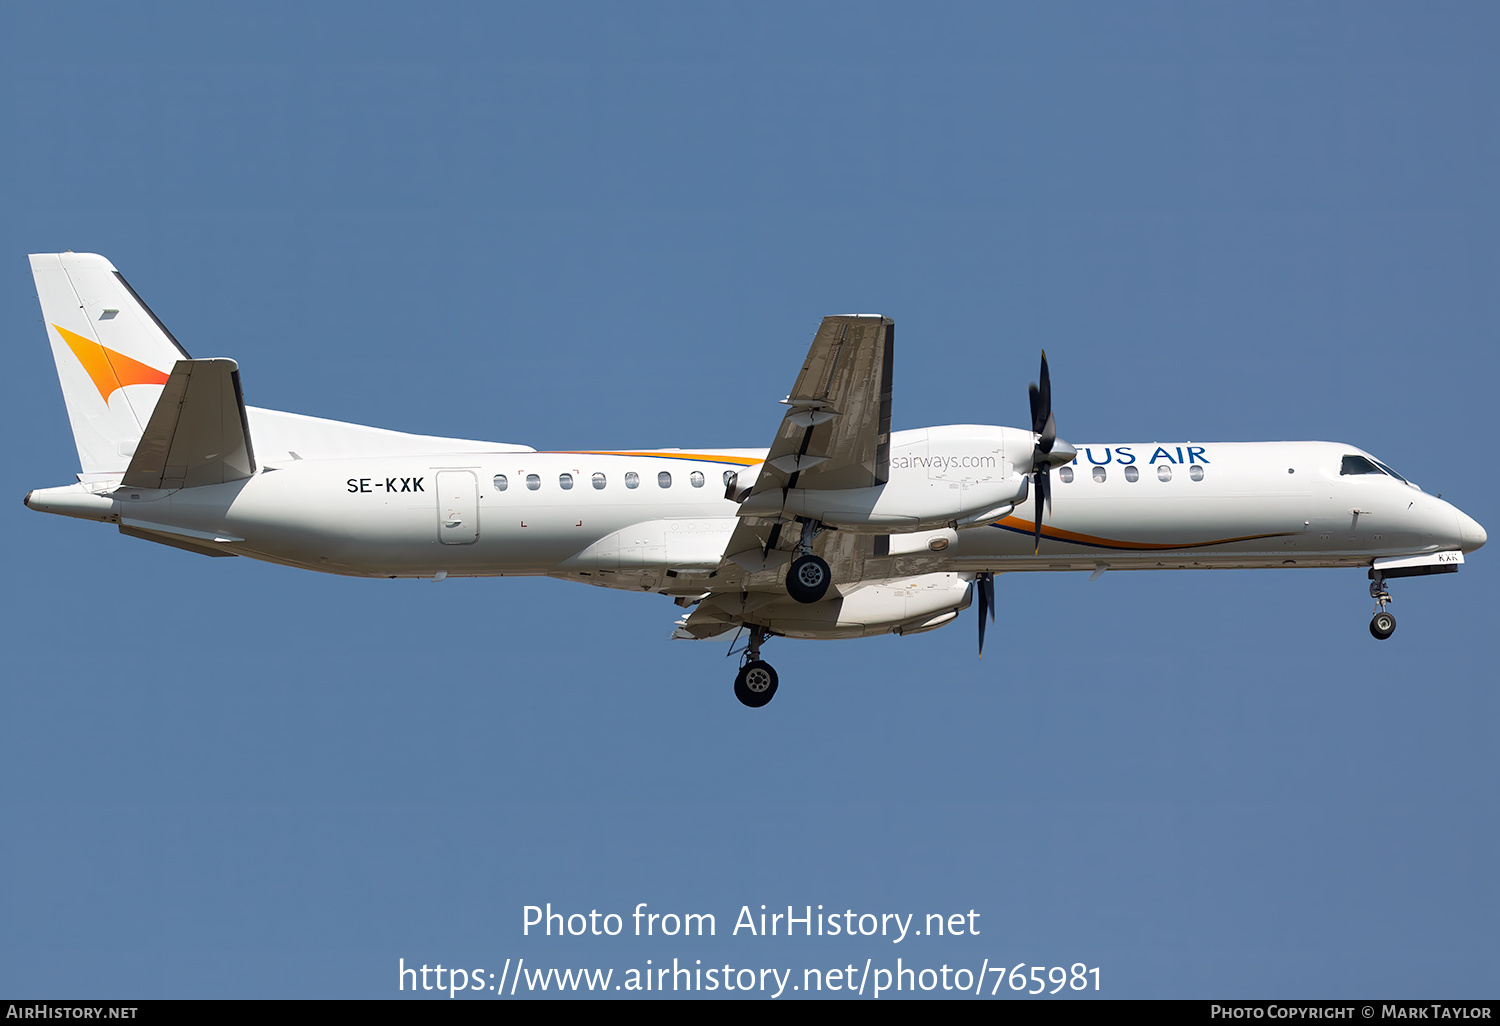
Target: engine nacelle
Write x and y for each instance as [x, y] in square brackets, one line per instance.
[906, 606]
[912, 602]
[951, 476]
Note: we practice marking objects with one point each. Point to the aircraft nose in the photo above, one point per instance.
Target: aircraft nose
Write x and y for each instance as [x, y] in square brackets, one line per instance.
[1471, 535]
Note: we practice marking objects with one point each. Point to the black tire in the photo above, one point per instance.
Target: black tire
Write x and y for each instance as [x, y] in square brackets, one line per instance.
[1382, 626]
[755, 684]
[808, 579]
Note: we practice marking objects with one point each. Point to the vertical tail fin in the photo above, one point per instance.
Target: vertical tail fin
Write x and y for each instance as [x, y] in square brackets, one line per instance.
[113, 355]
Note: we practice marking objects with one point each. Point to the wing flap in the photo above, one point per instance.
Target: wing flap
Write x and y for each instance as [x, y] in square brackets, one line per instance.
[744, 589]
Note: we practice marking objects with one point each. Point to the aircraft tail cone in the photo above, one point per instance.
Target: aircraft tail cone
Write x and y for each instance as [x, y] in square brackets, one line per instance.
[72, 501]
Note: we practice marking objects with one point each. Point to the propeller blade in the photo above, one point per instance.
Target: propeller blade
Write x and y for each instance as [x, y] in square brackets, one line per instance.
[1042, 423]
[983, 607]
[984, 584]
[1045, 427]
[1048, 428]
[1041, 496]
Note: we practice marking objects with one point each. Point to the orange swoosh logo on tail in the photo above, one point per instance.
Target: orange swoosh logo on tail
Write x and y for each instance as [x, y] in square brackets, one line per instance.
[108, 369]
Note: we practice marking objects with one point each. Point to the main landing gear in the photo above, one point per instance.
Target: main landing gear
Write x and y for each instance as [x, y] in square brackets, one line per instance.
[808, 578]
[1383, 624]
[755, 684]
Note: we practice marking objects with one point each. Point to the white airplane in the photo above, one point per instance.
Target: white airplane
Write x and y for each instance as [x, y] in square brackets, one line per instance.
[843, 528]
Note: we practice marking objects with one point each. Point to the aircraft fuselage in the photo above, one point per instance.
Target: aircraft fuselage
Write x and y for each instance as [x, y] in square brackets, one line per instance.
[1128, 506]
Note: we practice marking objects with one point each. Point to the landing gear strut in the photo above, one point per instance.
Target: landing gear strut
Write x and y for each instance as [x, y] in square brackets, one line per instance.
[755, 684]
[808, 578]
[1383, 624]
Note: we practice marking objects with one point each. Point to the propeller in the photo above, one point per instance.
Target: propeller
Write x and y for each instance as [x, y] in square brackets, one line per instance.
[1049, 451]
[984, 584]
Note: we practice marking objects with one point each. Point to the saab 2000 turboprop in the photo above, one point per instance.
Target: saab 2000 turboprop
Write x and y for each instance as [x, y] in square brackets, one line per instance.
[843, 528]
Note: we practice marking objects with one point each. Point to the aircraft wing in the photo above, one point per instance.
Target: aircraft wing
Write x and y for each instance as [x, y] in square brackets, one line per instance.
[836, 434]
[837, 430]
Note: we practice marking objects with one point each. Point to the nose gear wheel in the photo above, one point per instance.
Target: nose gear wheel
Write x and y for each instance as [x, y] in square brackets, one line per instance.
[755, 684]
[1383, 624]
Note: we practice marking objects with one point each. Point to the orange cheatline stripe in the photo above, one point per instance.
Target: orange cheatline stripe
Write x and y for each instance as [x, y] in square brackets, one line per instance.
[743, 461]
[1027, 527]
[108, 369]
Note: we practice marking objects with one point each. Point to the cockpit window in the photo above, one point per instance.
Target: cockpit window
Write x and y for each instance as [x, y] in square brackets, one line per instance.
[1358, 465]
[1391, 472]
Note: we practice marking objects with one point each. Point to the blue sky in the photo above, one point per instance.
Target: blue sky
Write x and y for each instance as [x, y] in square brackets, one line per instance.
[586, 226]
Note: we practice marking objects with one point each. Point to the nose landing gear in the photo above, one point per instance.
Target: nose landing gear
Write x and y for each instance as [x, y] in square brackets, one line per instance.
[755, 684]
[1383, 624]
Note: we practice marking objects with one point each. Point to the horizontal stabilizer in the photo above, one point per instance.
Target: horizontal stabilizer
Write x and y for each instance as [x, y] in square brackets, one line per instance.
[198, 433]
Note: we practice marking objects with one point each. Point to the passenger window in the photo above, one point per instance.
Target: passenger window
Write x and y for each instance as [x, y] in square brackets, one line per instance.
[696, 479]
[1195, 472]
[728, 478]
[1358, 465]
[1066, 473]
[565, 481]
[1164, 471]
[599, 481]
[1099, 474]
[1132, 473]
[533, 482]
[500, 483]
[632, 480]
[664, 479]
